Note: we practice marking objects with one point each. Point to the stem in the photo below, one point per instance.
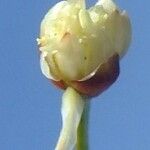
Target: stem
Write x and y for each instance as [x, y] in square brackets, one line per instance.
[82, 135]
[72, 108]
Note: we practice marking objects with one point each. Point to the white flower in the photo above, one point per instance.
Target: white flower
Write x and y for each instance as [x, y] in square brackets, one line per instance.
[75, 41]
[80, 49]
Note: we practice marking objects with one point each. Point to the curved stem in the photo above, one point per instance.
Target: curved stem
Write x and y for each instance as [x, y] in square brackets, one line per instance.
[72, 108]
[82, 136]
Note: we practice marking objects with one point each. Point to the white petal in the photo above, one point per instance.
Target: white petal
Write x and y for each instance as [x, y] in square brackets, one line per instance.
[70, 58]
[45, 67]
[51, 16]
[80, 3]
[85, 20]
[123, 34]
[90, 75]
[108, 5]
[54, 12]
[118, 30]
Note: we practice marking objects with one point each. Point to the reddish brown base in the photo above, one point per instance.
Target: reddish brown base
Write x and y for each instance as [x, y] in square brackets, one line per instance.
[104, 78]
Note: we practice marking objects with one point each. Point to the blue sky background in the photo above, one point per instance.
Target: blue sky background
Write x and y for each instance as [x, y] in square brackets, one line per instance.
[30, 106]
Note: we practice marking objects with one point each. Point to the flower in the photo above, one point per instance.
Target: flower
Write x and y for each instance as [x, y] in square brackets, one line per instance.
[81, 47]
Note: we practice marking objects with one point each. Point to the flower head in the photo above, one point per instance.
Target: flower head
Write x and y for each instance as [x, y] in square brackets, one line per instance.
[81, 47]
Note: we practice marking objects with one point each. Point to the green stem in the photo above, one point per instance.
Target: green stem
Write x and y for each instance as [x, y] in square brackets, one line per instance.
[82, 134]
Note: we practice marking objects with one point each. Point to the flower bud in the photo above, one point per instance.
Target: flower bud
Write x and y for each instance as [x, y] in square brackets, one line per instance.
[82, 47]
